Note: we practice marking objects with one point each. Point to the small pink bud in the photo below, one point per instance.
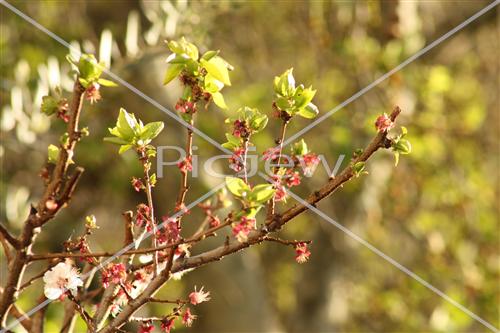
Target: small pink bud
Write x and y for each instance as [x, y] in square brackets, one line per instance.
[383, 123]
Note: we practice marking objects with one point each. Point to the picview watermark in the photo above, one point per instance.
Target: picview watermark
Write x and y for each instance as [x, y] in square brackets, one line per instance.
[172, 156]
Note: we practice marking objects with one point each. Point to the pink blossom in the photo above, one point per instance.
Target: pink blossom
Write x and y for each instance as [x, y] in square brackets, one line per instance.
[240, 129]
[199, 296]
[236, 161]
[142, 218]
[309, 162]
[92, 93]
[146, 328]
[167, 325]
[185, 106]
[214, 221]
[293, 178]
[137, 184]
[271, 154]
[243, 228]
[302, 253]
[280, 193]
[114, 273]
[188, 318]
[383, 123]
[170, 232]
[185, 165]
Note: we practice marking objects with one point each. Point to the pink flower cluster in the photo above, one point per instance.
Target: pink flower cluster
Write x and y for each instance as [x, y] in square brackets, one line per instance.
[143, 218]
[240, 129]
[185, 165]
[302, 253]
[243, 228]
[236, 161]
[92, 93]
[114, 273]
[170, 232]
[137, 184]
[185, 106]
[383, 123]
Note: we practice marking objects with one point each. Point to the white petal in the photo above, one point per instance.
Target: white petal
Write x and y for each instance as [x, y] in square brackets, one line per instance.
[52, 293]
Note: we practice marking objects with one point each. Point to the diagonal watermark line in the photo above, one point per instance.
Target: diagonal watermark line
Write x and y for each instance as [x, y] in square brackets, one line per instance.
[115, 77]
[389, 259]
[116, 255]
[392, 71]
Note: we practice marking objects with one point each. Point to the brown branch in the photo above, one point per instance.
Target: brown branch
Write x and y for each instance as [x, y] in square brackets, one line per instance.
[380, 141]
[280, 140]
[38, 276]
[41, 214]
[255, 237]
[157, 300]
[148, 188]
[83, 314]
[21, 316]
[13, 241]
[38, 317]
[285, 241]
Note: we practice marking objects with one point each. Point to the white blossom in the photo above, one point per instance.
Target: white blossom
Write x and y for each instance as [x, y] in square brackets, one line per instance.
[61, 278]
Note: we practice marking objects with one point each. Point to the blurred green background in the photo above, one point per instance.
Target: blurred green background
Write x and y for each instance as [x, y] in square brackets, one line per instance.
[437, 213]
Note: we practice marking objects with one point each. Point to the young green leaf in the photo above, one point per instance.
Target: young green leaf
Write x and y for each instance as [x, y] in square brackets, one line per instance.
[237, 186]
[172, 72]
[310, 111]
[126, 124]
[49, 105]
[151, 130]
[219, 100]
[53, 153]
[116, 141]
[106, 83]
[300, 148]
[258, 122]
[217, 68]
[209, 55]
[261, 193]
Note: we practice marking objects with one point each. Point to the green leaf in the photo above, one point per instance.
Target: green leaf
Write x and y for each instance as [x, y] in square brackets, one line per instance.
[124, 148]
[89, 68]
[357, 168]
[126, 124]
[283, 103]
[284, 84]
[237, 186]
[218, 69]
[209, 55]
[211, 84]
[115, 140]
[396, 158]
[106, 83]
[402, 146]
[304, 97]
[259, 122]
[261, 193]
[229, 145]
[219, 100]
[53, 153]
[310, 111]
[64, 139]
[151, 130]
[49, 105]
[184, 47]
[300, 148]
[172, 72]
